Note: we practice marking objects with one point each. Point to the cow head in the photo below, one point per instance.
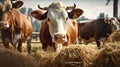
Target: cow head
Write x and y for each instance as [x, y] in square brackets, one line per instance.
[114, 22]
[5, 12]
[57, 18]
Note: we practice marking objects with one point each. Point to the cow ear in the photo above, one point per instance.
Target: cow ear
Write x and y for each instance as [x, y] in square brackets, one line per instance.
[39, 14]
[75, 13]
[17, 4]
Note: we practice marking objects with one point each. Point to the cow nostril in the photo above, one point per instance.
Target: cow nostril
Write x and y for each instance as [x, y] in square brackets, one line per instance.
[59, 36]
[56, 37]
[5, 23]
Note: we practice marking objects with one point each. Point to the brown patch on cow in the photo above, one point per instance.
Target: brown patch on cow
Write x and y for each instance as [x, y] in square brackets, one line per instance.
[45, 37]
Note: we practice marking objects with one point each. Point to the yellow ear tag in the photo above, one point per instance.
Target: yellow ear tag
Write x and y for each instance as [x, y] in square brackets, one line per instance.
[74, 16]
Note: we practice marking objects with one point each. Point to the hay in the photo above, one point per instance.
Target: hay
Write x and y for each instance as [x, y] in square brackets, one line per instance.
[8, 58]
[75, 56]
[81, 56]
[114, 37]
[109, 57]
[71, 56]
[84, 56]
[44, 58]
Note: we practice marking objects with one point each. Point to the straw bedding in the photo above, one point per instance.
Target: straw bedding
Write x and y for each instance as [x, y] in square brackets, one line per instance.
[82, 56]
[9, 58]
[70, 56]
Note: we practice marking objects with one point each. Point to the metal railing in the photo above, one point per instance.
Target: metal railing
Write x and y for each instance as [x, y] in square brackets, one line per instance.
[35, 37]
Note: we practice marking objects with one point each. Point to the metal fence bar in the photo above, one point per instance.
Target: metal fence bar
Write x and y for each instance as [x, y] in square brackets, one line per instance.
[35, 35]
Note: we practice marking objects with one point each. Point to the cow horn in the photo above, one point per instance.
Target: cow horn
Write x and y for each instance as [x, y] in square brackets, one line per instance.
[71, 7]
[45, 8]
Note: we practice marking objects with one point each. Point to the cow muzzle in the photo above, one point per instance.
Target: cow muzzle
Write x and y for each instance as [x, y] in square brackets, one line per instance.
[60, 38]
[4, 25]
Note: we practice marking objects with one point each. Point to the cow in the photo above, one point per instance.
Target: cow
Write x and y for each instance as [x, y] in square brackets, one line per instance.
[15, 27]
[97, 30]
[59, 27]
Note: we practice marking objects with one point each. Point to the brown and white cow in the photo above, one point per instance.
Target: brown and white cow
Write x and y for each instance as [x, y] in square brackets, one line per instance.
[15, 27]
[59, 27]
[96, 30]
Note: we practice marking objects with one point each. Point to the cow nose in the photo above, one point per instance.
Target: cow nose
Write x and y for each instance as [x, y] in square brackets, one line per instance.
[59, 38]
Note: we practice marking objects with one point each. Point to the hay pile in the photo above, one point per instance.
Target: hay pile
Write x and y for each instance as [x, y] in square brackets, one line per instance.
[75, 56]
[44, 58]
[9, 58]
[70, 56]
[114, 37]
[81, 56]
[108, 57]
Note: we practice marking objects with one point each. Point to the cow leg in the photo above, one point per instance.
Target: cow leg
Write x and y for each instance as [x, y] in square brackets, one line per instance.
[29, 45]
[54, 48]
[14, 43]
[98, 44]
[15, 39]
[79, 40]
[6, 42]
[44, 46]
[19, 45]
